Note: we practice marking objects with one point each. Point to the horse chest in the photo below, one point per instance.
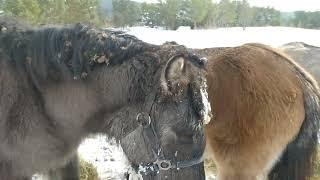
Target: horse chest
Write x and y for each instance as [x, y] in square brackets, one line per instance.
[70, 105]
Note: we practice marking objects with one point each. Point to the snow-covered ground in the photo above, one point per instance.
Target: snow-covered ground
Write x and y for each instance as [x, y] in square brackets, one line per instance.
[222, 37]
[107, 156]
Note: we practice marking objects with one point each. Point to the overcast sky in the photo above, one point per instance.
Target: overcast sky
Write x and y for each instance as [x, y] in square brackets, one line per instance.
[289, 5]
[283, 5]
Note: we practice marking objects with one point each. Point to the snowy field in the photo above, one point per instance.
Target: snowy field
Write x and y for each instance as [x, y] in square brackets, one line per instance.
[107, 156]
[223, 37]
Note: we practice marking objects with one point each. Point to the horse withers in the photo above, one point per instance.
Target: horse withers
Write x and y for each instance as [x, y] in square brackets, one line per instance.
[61, 84]
[265, 114]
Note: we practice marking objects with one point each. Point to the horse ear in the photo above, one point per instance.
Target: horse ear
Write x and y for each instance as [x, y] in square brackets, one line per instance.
[175, 69]
[175, 72]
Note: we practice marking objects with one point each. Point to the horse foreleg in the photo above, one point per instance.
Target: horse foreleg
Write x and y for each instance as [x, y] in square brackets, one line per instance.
[6, 172]
[228, 176]
[69, 172]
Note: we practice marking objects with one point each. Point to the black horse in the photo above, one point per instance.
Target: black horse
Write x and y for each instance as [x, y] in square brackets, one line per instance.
[305, 54]
[61, 84]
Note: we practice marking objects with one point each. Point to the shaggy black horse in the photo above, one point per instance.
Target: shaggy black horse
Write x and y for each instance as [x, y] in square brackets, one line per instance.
[305, 54]
[60, 84]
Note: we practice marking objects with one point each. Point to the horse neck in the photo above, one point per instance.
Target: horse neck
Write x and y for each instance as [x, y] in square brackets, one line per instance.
[118, 108]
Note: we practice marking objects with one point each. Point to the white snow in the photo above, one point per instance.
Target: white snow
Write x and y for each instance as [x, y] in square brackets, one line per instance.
[106, 155]
[222, 37]
[207, 113]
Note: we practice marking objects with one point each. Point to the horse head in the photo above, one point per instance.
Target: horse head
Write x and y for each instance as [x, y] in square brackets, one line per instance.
[170, 139]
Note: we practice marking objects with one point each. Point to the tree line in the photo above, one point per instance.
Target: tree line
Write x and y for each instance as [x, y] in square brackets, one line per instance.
[166, 13]
[225, 13]
[53, 11]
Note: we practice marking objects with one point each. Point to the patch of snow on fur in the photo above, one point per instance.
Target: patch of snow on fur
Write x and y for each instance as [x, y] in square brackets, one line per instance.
[207, 114]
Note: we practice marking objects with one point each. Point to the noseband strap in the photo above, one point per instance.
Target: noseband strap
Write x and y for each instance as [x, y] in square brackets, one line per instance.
[165, 165]
[161, 163]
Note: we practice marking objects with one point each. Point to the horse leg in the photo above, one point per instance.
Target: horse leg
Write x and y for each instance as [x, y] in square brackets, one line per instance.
[238, 173]
[69, 172]
[24, 178]
[239, 177]
[6, 172]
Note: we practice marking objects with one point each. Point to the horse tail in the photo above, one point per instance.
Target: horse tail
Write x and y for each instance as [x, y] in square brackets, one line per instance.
[298, 159]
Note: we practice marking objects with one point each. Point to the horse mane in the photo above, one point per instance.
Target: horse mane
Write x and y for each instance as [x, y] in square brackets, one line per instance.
[56, 52]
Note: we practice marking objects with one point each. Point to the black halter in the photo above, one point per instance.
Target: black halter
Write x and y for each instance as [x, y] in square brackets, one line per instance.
[151, 138]
[161, 163]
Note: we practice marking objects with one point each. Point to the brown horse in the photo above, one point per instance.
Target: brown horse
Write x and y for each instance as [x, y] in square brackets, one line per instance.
[265, 114]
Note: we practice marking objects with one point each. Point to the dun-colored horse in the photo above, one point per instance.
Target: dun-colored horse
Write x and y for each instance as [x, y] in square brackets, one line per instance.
[265, 114]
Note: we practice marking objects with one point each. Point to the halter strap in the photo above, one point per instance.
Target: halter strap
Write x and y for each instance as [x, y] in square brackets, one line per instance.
[151, 138]
[165, 165]
[161, 163]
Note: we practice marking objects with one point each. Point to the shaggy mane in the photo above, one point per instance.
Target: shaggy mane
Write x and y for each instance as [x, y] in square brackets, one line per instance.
[51, 52]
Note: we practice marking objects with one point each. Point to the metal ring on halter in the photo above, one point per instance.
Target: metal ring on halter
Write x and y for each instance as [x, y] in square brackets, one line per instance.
[141, 114]
[164, 164]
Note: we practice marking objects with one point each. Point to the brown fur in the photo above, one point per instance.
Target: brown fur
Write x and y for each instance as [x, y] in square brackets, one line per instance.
[258, 103]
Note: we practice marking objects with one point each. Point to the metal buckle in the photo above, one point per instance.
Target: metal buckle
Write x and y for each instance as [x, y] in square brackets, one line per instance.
[140, 119]
[163, 164]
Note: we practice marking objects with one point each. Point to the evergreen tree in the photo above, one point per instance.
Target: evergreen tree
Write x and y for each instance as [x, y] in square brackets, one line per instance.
[184, 16]
[1, 5]
[212, 18]
[168, 13]
[199, 11]
[314, 20]
[26, 9]
[150, 15]
[300, 19]
[244, 13]
[81, 11]
[53, 11]
[226, 13]
[266, 17]
[169, 10]
[125, 13]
